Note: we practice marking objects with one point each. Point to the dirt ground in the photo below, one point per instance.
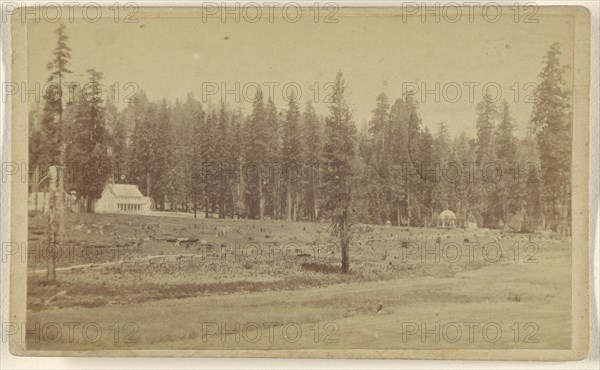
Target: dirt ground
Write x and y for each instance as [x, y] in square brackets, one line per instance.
[126, 281]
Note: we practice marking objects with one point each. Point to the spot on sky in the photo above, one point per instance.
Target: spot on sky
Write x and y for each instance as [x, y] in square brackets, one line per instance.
[196, 56]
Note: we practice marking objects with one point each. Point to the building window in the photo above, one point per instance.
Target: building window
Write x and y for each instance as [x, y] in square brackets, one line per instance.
[129, 207]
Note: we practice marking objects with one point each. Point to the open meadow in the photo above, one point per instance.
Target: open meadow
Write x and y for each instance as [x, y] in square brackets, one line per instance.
[245, 284]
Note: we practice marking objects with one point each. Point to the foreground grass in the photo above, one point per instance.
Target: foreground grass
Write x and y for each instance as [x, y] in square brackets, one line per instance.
[243, 256]
[344, 315]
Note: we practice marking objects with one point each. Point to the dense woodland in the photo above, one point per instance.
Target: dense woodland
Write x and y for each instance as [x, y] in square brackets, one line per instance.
[290, 163]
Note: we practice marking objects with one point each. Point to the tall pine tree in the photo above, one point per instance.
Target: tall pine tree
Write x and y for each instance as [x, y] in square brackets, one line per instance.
[552, 122]
[258, 151]
[313, 144]
[338, 153]
[292, 157]
[88, 144]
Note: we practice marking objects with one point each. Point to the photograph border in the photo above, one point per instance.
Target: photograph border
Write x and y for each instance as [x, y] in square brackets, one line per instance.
[580, 222]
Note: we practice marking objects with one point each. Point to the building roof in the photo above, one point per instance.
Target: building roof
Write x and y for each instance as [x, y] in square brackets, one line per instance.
[448, 214]
[125, 190]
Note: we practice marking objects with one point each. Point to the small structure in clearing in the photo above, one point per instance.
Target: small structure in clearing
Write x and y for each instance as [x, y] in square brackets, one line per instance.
[447, 220]
[118, 198]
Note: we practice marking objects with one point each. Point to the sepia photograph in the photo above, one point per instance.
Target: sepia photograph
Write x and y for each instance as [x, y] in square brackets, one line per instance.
[299, 180]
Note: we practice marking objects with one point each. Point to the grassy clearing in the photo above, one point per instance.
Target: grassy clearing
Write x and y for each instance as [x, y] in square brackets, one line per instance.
[481, 295]
[233, 256]
[502, 279]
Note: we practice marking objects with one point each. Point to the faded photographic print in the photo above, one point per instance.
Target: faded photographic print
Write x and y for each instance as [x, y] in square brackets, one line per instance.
[297, 180]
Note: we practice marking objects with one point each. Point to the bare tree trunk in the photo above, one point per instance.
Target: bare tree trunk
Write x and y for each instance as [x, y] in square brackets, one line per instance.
[276, 200]
[315, 209]
[206, 205]
[543, 221]
[522, 216]
[221, 204]
[345, 243]
[261, 203]
[289, 203]
[61, 195]
[281, 201]
[148, 185]
[567, 211]
[238, 198]
[295, 213]
[52, 226]
[408, 206]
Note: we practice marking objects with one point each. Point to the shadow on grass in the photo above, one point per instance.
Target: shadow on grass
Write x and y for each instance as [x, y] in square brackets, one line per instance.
[321, 267]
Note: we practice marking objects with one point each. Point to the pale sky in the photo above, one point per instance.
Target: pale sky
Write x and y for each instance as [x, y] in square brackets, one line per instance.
[171, 57]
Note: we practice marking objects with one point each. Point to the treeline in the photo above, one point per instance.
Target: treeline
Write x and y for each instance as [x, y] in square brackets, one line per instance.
[290, 163]
[188, 157]
[409, 174]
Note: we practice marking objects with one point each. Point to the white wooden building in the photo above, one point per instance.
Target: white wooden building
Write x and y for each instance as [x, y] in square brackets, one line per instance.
[125, 198]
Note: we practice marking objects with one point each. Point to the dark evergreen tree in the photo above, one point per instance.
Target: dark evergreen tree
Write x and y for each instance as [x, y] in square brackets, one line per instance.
[274, 189]
[224, 161]
[141, 150]
[208, 162]
[338, 153]
[379, 123]
[552, 122]
[505, 202]
[162, 156]
[485, 156]
[88, 144]
[193, 157]
[313, 148]
[53, 145]
[258, 152]
[292, 154]
[118, 136]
